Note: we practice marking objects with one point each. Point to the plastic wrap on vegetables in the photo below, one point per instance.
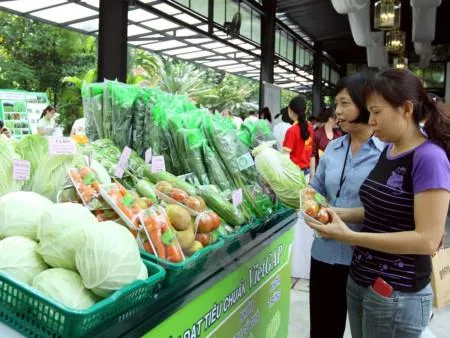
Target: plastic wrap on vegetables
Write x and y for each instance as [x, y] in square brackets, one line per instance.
[239, 162]
[107, 109]
[159, 237]
[194, 146]
[280, 173]
[123, 97]
[172, 179]
[96, 98]
[254, 133]
[140, 108]
[224, 209]
[91, 128]
[216, 170]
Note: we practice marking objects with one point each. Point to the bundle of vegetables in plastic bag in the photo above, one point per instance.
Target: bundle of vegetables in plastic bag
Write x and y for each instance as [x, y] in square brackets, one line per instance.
[280, 173]
[254, 133]
[96, 105]
[239, 163]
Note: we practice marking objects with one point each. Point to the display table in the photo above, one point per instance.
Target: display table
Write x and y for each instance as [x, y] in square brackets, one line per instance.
[243, 291]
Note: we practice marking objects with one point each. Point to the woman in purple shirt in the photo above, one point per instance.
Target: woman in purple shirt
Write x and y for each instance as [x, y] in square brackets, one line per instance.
[405, 201]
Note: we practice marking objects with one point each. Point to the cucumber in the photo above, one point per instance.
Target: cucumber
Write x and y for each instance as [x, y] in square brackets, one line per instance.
[145, 189]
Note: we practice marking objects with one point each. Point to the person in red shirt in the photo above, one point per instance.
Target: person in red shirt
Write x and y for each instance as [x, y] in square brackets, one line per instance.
[298, 141]
[322, 136]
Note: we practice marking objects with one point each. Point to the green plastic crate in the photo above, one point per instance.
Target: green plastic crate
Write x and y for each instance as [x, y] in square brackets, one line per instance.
[245, 233]
[186, 270]
[31, 313]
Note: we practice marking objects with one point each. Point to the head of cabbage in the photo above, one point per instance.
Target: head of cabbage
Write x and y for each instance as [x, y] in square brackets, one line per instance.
[280, 173]
[7, 157]
[18, 258]
[20, 213]
[108, 258]
[60, 233]
[65, 287]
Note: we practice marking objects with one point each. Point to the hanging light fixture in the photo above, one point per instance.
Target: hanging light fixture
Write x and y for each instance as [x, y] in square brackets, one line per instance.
[387, 14]
[401, 62]
[395, 41]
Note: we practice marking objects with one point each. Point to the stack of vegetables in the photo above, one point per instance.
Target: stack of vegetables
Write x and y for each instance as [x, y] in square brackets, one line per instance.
[190, 139]
[63, 252]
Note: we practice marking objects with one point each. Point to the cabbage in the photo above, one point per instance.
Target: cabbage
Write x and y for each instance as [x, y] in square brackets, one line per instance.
[18, 257]
[280, 173]
[60, 232]
[65, 287]
[143, 274]
[7, 156]
[32, 148]
[20, 213]
[108, 258]
[51, 174]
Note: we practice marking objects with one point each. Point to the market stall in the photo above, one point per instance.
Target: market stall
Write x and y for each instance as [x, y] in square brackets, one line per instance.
[164, 221]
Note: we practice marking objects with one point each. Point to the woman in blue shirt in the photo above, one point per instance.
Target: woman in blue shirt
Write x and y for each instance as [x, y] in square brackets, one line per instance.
[346, 163]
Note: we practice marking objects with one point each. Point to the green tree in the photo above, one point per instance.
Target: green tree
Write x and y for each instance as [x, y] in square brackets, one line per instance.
[44, 53]
[179, 77]
[232, 92]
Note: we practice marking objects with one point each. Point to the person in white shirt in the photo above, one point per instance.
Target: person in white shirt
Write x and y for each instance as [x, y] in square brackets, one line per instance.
[280, 129]
[46, 124]
[236, 120]
[253, 117]
[78, 127]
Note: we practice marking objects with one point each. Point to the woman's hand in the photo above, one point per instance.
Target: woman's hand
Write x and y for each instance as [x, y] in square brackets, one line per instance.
[336, 229]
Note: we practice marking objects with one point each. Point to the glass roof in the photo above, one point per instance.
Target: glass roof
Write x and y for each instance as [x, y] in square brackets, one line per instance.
[169, 30]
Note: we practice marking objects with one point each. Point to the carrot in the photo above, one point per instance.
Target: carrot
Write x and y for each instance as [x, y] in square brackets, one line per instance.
[148, 247]
[156, 238]
[96, 186]
[122, 189]
[84, 171]
[127, 211]
[173, 254]
[75, 175]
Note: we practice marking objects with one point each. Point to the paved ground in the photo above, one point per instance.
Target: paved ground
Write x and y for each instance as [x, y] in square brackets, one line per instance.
[299, 316]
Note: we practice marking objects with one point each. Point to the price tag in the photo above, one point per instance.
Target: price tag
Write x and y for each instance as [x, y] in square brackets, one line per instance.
[237, 197]
[148, 155]
[123, 162]
[21, 170]
[158, 164]
[61, 146]
[245, 161]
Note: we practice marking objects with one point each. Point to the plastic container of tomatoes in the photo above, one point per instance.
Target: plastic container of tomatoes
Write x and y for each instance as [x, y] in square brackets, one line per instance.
[158, 237]
[126, 203]
[313, 207]
[87, 185]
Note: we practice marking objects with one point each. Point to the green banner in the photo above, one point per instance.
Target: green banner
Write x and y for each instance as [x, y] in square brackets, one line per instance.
[253, 301]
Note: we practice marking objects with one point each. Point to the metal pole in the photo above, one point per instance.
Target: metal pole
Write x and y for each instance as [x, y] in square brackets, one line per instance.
[112, 40]
[268, 21]
[317, 80]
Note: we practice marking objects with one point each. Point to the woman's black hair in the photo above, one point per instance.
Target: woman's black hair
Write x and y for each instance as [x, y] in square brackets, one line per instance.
[397, 86]
[265, 114]
[284, 113]
[46, 110]
[325, 115]
[355, 84]
[298, 107]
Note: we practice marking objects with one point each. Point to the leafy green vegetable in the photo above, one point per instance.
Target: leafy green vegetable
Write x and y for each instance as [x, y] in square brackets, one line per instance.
[7, 157]
[60, 233]
[108, 258]
[32, 148]
[18, 258]
[280, 173]
[15, 220]
[65, 287]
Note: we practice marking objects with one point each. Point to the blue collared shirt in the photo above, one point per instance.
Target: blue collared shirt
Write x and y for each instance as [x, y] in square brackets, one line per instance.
[327, 181]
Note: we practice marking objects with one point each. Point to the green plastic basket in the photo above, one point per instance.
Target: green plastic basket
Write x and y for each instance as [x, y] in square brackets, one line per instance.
[185, 271]
[34, 315]
[245, 233]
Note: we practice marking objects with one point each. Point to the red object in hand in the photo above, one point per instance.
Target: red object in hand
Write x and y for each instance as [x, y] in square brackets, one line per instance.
[382, 288]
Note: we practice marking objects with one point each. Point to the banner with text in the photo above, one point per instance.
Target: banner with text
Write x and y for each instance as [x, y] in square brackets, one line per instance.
[253, 301]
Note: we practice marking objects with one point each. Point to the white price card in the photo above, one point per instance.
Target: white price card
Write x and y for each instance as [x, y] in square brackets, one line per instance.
[237, 197]
[158, 164]
[123, 162]
[148, 155]
[21, 170]
[61, 146]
